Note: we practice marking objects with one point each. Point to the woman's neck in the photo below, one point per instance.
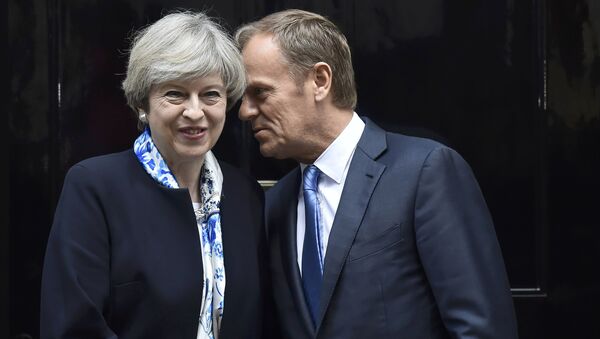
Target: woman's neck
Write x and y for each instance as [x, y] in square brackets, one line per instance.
[187, 175]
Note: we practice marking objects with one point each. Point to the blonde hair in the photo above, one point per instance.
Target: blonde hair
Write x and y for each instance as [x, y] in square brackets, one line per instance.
[305, 39]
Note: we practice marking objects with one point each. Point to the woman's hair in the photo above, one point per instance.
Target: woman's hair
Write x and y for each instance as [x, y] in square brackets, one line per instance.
[305, 39]
[181, 46]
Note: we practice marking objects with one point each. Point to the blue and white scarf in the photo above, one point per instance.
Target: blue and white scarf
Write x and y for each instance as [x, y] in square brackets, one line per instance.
[209, 228]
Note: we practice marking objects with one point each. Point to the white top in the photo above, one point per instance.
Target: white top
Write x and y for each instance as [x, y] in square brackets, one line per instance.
[333, 164]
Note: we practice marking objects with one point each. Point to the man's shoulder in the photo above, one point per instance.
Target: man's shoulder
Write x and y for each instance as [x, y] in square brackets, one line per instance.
[400, 139]
[412, 142]
[417, 151]
[406, 148]
[402, 148]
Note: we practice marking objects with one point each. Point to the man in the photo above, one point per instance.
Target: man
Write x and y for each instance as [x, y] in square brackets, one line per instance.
[375, 234]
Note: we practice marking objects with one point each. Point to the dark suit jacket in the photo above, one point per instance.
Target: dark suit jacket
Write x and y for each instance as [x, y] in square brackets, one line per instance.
[412, 252]
[124, 258]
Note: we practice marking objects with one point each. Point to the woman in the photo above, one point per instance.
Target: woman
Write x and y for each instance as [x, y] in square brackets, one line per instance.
[162, 240]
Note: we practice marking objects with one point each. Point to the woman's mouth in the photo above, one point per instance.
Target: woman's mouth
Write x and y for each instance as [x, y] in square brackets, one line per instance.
[193, 132]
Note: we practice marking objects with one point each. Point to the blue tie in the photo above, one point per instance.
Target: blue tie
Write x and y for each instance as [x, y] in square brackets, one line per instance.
[312, 258]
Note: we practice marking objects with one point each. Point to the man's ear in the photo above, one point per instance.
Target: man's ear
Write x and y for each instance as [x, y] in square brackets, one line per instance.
[322, 78]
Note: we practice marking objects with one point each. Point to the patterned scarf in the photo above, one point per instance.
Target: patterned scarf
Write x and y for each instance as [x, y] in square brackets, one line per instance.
[209, 228]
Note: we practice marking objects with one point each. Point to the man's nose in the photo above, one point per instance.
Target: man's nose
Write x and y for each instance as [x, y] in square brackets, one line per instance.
[248, 109]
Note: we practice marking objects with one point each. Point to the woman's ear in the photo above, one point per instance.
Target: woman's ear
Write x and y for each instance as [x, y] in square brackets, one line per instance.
[322, 79]
[142, 116]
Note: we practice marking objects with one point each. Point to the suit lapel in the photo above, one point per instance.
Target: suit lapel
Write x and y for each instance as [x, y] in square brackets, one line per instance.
[362, 178]
[289, 245]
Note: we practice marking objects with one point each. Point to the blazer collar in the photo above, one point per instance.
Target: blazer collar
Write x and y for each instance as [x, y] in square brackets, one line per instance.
[372, 141]
[362, 178]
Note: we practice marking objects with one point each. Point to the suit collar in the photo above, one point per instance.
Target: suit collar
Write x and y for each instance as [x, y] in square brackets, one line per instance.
[363, 176]
[334, 161]
[373, 141]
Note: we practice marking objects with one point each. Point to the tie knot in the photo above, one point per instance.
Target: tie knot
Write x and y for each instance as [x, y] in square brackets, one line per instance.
[311, 177]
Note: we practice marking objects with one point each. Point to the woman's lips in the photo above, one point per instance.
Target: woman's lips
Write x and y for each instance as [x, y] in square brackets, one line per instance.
[193, 133]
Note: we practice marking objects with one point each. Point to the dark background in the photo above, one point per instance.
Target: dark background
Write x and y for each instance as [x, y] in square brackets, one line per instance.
[514, 86]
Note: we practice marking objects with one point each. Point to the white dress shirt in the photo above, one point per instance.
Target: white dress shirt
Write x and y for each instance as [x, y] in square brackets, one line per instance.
[333, 164]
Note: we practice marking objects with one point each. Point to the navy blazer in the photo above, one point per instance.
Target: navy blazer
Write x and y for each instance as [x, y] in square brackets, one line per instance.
[124, 258]
[412, 251]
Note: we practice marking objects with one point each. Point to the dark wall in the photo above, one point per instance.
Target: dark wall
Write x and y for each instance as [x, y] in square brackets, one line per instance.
[514, 86]
[573, 172]
[4, 195]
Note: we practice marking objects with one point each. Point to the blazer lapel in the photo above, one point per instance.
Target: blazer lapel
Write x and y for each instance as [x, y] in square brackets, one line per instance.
[230, 236]
[289, 245]
[362, 178]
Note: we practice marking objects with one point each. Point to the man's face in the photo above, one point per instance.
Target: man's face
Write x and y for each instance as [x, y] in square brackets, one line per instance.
[282, 112]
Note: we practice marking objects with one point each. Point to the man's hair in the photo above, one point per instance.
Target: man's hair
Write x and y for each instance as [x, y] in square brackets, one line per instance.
[181, 46]
[305, 39]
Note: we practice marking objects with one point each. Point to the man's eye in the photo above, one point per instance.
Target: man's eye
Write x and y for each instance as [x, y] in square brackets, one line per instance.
[259, 92]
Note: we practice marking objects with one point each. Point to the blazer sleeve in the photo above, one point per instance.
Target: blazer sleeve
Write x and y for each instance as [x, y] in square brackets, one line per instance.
[459, 250]
[75, 279]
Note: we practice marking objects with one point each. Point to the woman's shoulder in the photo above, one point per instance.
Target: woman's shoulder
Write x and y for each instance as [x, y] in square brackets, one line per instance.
[111, 161]
[101, 175]
[104, 165]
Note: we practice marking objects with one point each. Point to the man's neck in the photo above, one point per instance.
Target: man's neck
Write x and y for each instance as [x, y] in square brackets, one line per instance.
[327, 130]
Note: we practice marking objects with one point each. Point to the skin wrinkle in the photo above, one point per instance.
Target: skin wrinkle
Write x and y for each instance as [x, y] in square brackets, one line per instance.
[289, 121]
[197, 103]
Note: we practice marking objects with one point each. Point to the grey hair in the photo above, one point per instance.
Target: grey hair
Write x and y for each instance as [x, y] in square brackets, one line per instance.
[180, 46]
[305, 39]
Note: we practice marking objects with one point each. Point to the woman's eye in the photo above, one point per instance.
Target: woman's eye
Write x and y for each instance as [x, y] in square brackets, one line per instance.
[212, 97]
[213, 94]
[174, 94]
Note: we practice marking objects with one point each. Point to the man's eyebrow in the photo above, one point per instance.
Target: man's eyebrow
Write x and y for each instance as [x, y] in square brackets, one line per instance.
[259, 84]
[256, 82]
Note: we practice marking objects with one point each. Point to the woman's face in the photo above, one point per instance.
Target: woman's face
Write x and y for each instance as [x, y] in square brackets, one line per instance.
[186, 117]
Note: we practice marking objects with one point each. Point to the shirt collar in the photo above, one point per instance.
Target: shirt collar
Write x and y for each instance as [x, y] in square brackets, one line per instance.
[336, 158]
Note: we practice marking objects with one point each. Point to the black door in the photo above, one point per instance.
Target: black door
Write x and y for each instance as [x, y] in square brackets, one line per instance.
[514, 86]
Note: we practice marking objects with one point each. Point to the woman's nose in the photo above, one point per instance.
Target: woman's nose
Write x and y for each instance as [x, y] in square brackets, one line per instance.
[194, 109]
